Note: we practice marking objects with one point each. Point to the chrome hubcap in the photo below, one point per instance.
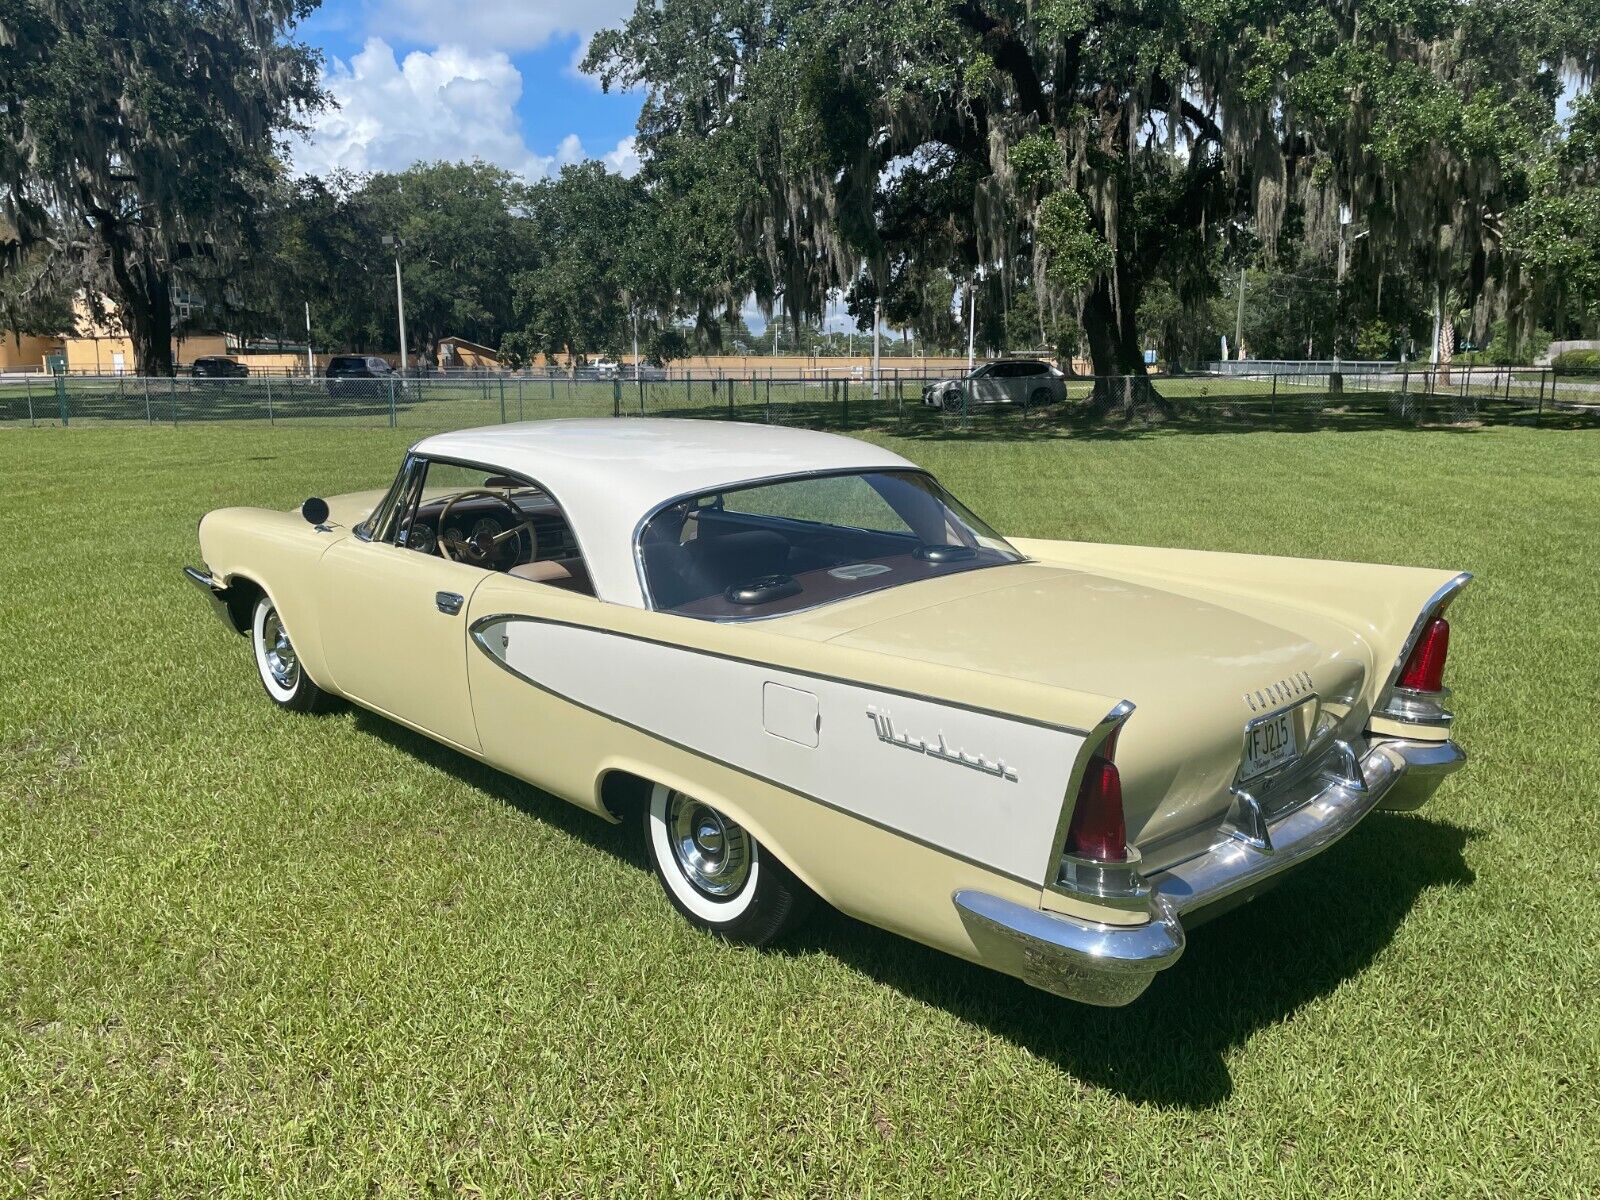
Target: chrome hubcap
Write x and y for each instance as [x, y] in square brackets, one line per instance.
[281, 661]
[712, 852]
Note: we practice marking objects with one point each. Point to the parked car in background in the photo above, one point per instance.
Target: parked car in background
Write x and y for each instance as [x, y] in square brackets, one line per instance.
[606, 368]
[1025, 382]
[358, 375]
[800, 668]
[218, 366]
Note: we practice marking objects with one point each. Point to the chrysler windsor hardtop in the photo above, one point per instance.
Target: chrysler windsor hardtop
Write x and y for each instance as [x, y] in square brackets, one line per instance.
[806, 669]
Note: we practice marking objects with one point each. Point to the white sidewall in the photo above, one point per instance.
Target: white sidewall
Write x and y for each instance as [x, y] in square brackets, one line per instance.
[258, 640]
[707, 908]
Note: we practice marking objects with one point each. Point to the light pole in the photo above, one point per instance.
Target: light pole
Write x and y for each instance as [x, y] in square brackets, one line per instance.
[972, 320]
[1338, 293]
[877, 320]
[399, 298]
[1238, 320]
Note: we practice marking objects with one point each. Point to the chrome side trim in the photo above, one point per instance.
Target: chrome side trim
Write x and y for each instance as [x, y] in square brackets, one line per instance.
[485, 621]
[1081, 960]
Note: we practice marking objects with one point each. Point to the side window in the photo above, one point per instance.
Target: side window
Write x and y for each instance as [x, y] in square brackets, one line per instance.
[491, 519]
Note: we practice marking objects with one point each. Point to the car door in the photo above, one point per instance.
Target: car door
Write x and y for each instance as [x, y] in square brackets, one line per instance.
[1021, 381]
[984, 386]
[1025, 379]
[394, 632]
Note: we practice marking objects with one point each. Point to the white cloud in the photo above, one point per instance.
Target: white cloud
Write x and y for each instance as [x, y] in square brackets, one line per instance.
[624, 160]
[450, 103]
[503, 24]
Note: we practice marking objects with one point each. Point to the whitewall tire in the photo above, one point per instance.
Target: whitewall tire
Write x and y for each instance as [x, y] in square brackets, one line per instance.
[278, 663]
[716, 874]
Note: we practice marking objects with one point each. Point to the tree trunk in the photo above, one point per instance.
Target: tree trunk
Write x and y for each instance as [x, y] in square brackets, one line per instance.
[1121, 381]
[144, 301]
[148, 315]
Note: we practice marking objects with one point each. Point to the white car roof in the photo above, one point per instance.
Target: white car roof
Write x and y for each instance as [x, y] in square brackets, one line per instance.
[609, 473]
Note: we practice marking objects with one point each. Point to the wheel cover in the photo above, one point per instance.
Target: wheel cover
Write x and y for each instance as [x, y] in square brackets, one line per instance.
[282, 662]
[710, 850]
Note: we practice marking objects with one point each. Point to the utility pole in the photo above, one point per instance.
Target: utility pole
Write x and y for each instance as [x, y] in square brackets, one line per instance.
[877, 318]
[1238, 321]
[1338, 287]
[972, 321]
[399, 299]
[311, 366]
[635, 315]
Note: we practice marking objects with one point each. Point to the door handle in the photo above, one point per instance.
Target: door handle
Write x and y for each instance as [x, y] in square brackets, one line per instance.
[449, 603]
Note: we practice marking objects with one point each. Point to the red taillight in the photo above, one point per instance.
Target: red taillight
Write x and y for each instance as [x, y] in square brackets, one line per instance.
[1098, 830]
[1424, 669]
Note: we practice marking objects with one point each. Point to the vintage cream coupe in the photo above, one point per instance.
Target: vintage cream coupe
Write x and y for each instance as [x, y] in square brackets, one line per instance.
[806, 669]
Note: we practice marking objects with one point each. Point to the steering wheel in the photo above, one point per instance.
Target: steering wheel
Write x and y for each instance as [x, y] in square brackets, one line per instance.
[479, 550]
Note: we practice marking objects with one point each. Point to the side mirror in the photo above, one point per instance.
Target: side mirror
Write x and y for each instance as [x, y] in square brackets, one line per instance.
[315, 510]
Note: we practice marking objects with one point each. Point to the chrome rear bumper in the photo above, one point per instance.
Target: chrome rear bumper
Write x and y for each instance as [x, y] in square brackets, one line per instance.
[1113, 964]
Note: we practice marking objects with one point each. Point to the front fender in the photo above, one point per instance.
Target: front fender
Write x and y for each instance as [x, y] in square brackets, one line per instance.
[281, 554]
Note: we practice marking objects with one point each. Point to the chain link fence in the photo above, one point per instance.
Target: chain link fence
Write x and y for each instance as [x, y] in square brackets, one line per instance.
[900, 401]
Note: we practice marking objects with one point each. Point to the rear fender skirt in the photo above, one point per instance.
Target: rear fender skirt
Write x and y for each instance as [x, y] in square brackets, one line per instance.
[982, 786]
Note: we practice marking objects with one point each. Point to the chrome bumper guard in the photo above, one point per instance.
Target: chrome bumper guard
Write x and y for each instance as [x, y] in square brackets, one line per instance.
[1113, 964]
[217, 594]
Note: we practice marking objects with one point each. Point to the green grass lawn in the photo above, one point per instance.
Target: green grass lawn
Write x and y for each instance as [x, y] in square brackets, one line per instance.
[249, 953]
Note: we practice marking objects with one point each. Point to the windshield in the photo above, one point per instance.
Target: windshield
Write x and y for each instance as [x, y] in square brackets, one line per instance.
[772, 548]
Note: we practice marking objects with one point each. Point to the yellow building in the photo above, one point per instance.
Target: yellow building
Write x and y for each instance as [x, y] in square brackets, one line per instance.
[26, 351]
[457, 352]
[99, 345]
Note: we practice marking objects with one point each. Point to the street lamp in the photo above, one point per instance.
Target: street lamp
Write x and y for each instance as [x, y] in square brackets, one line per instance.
[972, 320]
[399, 297]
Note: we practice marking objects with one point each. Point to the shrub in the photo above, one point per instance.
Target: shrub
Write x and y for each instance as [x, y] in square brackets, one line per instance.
[1577, 360]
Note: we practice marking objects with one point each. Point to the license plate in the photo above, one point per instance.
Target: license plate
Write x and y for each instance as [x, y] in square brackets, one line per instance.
[1268, 743]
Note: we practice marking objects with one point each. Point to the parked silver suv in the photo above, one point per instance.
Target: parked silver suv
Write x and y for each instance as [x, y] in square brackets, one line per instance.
[1026, 382]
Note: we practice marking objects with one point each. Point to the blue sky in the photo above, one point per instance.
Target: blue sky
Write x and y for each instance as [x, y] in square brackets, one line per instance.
[494, 79]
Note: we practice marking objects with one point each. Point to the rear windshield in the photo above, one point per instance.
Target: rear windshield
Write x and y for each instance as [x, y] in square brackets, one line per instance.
[771, 548]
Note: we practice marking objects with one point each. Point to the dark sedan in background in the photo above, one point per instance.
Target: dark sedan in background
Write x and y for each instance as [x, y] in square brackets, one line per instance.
[218, 366]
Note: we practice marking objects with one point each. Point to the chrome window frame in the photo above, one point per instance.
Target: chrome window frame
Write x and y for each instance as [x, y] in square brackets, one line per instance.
[793, 477]
[378, 527]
